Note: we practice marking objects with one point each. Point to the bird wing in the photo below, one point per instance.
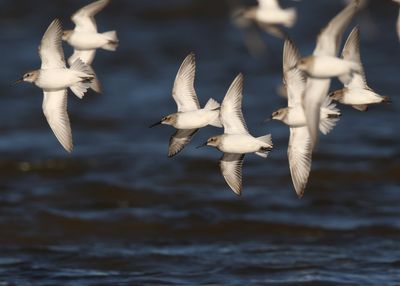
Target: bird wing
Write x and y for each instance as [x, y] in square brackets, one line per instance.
[398, 24]
[327, 45]
[299, 155]
[231, 169]
[86, 56]
[268, 4]
[351, 52]
[55, 110]
[84, 17]
[231, 115]
[179, 140]
[329, 39]
[183, 91]
[50, 49]
[293, 78]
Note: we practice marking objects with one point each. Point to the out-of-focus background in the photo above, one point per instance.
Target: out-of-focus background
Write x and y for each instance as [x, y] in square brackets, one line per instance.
[117, 211]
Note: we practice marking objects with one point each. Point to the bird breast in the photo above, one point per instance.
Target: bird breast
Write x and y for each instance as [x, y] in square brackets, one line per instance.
[87, 41]
[326, 67]
[56, 79]
[240, 144]
[195, 119]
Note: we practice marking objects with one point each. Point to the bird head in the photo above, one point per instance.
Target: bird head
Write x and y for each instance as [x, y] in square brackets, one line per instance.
[167, 120]
[212, 141]
[67, 34]
[279, 114]
[29, 77]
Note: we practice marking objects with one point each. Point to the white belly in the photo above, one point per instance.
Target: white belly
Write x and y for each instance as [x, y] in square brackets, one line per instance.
[240, 144]
[56, 79]
[326, 67]
[87, 41]
[358, 96]
[196, 119]
[296, 117]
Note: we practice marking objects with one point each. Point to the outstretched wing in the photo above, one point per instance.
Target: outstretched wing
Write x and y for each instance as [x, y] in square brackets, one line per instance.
[55, 110]
[231, 109]
[351, 52]
[179, 140]
[50, 49]
[84, 17]
[329, 39]
[299, 155]
[231, 169]
[293, 77]
[183, 91]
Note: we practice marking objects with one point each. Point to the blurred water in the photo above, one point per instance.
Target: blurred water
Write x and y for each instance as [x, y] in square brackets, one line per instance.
[119, 212]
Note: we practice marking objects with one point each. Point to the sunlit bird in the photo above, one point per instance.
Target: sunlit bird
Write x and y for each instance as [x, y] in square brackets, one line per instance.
[236, 140]
[190, 117]
[299, 149]
[84, 38]
[269, 15]
[398, 19]
[356, 92]
[54, 78]
[327, 46]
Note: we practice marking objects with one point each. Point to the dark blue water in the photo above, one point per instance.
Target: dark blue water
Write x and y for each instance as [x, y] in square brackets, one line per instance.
[119, 212]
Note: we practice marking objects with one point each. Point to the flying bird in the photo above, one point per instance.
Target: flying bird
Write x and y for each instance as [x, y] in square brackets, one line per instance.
[398, 19]
[269, 16]
[54, 78]
[85, 38]
[327, 46]
[356, 92]
[299, 149]
[190, 117]
[236, 140]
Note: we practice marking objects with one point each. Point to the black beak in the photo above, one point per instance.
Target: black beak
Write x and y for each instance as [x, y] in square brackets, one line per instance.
[18, 81]
[155, 124]
[202, 145]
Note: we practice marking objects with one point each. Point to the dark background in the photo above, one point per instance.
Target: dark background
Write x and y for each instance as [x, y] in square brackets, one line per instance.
[117, 211]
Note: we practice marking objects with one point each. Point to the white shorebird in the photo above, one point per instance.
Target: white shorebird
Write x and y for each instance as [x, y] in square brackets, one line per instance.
[398, 19]
[269, 14]
[54, 78]
[327, 46]
[356, 91]
[236, 140]
[299, 149]
[84, 38]
[190, 117]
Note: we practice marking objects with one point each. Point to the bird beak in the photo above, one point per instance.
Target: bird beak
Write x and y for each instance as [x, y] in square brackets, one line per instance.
[202, 145]
[18, 81]
[155, 124]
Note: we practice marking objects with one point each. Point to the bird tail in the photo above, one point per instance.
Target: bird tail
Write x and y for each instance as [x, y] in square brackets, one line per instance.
[112, 41]
[330, 115]
[263, 152]
[87, 76]
[212, 105]
[95, 85]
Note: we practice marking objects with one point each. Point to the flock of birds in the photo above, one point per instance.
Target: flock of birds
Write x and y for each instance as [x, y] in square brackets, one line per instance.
[54, 77]
[306, 80]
